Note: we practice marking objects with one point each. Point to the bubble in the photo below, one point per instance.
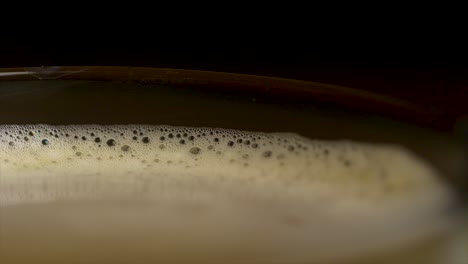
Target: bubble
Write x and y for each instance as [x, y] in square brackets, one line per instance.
[11, 143]
[78, 154]
[162, 138]
[145, 140]
[31, 133]
[254, 145]
[26, 139]
[111, 142]
[45, 142]
[125, 148]
[182, 141]
[195, 150]
[97, 140]
[267, 154]
[230, 143]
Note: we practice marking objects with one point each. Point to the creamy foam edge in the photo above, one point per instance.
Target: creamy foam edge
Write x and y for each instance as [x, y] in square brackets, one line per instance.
[275, 180]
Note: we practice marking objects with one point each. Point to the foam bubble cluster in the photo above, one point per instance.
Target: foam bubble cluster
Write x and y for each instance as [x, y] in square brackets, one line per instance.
[277, 179]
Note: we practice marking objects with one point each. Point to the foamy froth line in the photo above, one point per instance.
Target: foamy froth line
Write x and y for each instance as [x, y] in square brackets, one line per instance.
[281, 182]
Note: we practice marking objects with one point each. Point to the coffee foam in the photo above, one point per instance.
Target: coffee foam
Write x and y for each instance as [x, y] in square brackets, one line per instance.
[298, 196]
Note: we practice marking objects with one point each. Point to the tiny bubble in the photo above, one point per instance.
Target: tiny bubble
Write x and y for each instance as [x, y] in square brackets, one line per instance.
[195, 150]
[125, 148]
[111, 142]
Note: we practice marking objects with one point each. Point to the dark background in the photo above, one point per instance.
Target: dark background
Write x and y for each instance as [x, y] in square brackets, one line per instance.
[421, 67]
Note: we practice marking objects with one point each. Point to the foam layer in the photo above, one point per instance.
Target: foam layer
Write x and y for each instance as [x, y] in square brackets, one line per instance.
[300, 198]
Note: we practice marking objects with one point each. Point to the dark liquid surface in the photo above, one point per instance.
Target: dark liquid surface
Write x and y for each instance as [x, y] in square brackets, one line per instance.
[248, 104]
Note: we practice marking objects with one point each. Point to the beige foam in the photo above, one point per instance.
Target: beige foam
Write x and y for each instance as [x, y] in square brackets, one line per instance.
[194, 191]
